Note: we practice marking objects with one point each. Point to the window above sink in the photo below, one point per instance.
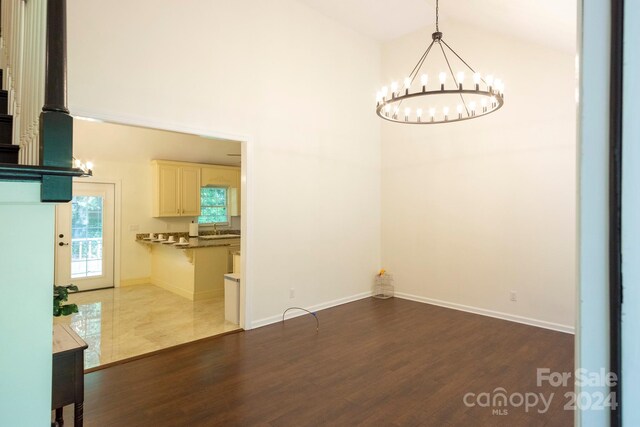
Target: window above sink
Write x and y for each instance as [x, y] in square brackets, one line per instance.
[214, 206]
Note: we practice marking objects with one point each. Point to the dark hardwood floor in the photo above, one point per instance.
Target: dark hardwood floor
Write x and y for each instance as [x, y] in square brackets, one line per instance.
[373, 362]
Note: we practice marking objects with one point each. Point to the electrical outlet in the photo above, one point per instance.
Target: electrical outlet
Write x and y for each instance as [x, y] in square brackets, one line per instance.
[292, 293]
[513, 296]
[134, 227]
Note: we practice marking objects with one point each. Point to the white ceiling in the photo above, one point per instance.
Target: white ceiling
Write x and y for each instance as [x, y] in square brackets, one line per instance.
[550, 22]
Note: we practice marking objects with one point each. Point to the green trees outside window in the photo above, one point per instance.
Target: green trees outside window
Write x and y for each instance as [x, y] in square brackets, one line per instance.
[213, 205]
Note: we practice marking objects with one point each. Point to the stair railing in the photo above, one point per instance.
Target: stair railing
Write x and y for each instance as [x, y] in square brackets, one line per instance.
[23, 44]
[33, 40]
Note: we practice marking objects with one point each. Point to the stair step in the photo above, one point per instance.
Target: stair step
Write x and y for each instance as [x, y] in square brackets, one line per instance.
[9, 153]
[6, 129]
[4, 102]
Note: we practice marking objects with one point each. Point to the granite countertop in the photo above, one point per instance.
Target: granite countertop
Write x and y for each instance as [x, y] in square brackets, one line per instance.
[194, 242]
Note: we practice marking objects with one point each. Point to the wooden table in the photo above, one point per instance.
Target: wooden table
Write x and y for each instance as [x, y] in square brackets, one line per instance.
[68, 373]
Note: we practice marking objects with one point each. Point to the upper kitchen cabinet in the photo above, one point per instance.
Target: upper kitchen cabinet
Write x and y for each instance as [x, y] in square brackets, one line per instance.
[176, 189]
[220, 176]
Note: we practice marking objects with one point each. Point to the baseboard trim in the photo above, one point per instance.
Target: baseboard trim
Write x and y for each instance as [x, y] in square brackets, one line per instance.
[169, 287]
[318, 307]
[490, 313]
[134, 282]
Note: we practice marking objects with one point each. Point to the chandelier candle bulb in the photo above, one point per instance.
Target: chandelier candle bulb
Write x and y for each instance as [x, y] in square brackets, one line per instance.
[443, 78]
[459, 110]
[476, 80]
[460, 79]
[424, 80]
[493, 101]
[385, 92]
[484, 105]
[419, 114]
[394, 89]
[445, 111]
[490, 82]
[432, 113]
[407, 111]
[472, 107]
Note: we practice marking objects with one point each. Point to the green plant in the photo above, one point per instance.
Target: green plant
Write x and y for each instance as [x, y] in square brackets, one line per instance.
[60, 295]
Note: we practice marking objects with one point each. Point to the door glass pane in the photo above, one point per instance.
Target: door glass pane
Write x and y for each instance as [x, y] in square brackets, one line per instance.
[86, 236]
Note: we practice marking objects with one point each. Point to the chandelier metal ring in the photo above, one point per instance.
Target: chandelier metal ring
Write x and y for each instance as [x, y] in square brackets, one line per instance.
[398, 116]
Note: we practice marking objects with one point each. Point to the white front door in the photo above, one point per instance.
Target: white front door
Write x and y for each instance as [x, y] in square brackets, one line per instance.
[85, 237]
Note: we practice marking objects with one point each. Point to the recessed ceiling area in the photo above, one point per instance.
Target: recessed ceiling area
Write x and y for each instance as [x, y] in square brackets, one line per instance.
[548, 22]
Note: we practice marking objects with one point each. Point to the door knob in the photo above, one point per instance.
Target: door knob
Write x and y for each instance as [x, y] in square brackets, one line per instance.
[63, 244]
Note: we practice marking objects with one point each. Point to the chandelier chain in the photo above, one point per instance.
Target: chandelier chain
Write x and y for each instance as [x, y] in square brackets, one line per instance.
[437, 14]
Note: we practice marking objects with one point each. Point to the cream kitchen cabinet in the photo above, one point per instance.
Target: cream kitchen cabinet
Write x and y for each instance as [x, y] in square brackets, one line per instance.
[220, 176]
[176, 189]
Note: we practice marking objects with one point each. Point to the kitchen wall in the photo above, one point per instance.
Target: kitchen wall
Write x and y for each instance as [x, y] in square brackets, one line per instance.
[475, 210]
[122, 155]
[298, 85]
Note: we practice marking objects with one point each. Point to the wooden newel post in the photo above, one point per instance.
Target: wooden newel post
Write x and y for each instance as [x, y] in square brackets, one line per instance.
[56, 125]
[55, 89]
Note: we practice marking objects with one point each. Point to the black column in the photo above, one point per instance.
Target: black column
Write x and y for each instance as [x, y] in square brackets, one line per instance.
[55, 95]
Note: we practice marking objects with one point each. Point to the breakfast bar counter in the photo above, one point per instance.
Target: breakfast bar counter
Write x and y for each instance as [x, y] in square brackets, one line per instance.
[197, 270]
[205, 241]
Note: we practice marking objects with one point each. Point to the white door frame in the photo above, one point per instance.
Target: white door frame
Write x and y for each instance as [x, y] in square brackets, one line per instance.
[117, 221]
[109, 231]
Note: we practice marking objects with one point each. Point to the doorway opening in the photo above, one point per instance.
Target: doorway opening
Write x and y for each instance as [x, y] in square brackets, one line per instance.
[154, 240]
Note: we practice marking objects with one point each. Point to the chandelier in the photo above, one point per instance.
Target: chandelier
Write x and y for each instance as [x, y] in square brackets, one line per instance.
[446, 103]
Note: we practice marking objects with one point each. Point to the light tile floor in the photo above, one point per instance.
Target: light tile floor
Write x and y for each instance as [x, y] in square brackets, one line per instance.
[124, 322]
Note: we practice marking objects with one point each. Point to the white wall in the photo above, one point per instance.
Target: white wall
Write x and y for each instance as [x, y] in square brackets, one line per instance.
[295, 83]
[122, 155]
[476, 209]
[26, 273]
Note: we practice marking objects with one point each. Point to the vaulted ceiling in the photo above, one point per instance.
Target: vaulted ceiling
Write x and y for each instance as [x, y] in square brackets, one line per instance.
[549, 22]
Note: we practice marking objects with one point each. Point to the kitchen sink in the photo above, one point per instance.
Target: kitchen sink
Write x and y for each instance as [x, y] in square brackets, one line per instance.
[220, 236]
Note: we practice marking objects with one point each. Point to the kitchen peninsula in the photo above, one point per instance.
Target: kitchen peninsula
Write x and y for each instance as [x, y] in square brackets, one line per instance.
[195, 270]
